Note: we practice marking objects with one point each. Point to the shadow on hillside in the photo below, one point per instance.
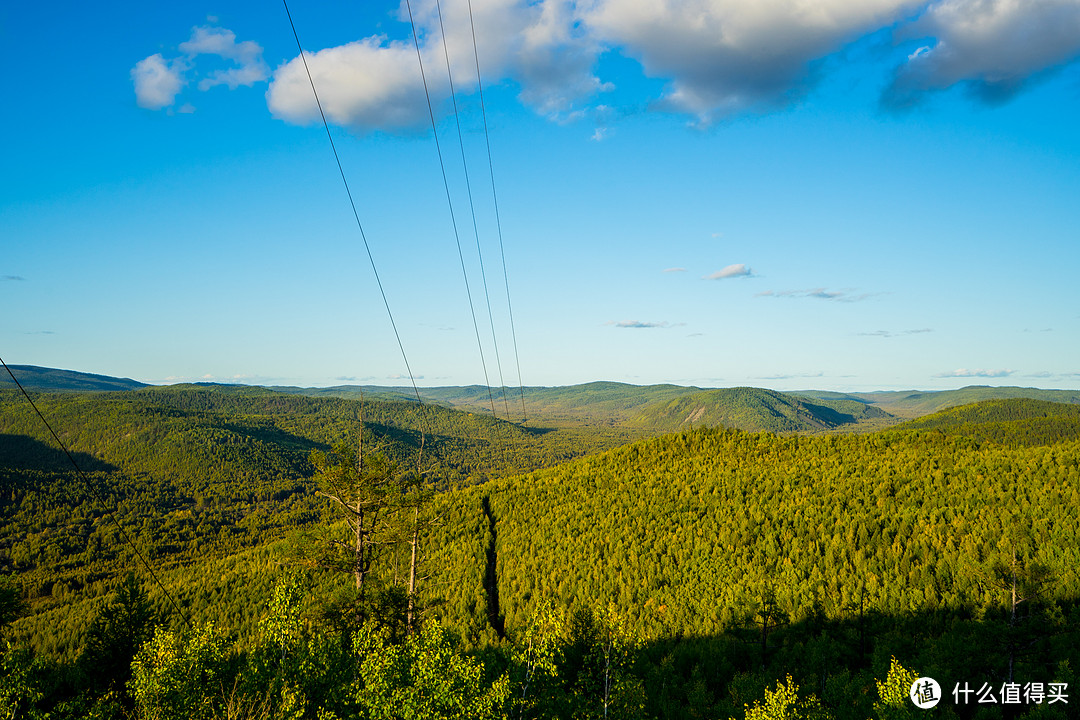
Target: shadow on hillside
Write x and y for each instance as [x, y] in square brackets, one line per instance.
[272, 435]
[840, 660]
[23, 453]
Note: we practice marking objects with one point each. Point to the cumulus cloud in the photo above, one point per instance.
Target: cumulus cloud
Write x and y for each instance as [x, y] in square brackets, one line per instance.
[716, 58]
[375, 82]
[965, 373]
[738, 270]
[157, 81]
[992, 47]
[370, 83]
[727, 56]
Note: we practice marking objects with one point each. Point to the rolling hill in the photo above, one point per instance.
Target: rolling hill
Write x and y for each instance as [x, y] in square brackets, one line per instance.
[33, 377]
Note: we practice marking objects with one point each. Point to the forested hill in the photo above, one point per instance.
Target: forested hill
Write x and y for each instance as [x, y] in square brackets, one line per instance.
[916, 403]
[691, 529]
[647, 409]
[33, 377]
[1017, 421]
[595, 403]
[754, 410]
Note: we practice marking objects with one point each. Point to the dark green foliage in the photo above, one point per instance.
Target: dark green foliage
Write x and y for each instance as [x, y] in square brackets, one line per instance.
[12, 605]
[114, 636]
[33, 377]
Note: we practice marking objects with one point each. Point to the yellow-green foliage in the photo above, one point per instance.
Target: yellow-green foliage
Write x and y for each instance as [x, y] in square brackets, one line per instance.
[784, 703]
[894, 701]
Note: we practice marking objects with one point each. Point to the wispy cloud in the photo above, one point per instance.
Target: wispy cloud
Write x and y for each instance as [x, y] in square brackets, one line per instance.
[965, 373]
[674, 270]
[891, 334]
[12, 278]
[844, 295]
[1046, 374]
[247, 55]
[39, 332]
[399, 376]
[791, 377]
[641, 324]
[731, 271]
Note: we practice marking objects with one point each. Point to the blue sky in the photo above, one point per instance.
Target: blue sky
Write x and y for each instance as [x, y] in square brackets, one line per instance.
[833, 194]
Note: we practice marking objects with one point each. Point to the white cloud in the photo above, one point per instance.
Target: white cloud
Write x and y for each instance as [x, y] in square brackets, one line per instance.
[157, 81]
[375, 82]
[729, 56]
[737, 270]
[994, 47]
[716, 57]
[674, 270]
[370, 83]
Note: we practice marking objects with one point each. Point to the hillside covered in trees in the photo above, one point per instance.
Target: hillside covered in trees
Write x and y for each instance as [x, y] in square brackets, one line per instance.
[700, 574]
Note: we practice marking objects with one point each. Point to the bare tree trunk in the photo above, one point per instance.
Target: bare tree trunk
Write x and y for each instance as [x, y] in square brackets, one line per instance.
[412, 569]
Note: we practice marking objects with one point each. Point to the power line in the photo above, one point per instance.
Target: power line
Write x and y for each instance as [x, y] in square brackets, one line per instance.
[449, 202]
[498, 225]
[472, 210]
[100, 499]
[356, 215]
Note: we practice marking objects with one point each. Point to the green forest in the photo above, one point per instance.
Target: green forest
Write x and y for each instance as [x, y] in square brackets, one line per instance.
[231, 552]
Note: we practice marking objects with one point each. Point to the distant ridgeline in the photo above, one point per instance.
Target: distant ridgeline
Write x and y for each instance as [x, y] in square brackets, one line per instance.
[721, 560]
[32, 377]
